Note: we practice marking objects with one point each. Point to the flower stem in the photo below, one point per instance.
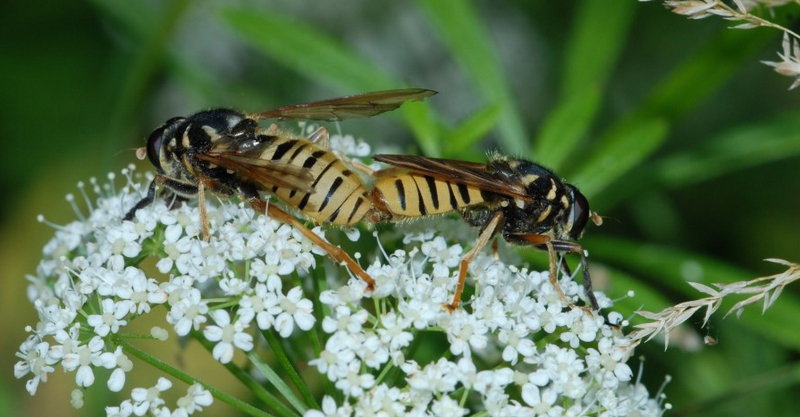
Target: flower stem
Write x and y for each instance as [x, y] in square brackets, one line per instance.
[316, 334]
[273, 403]
[290, 369]
[188, 379]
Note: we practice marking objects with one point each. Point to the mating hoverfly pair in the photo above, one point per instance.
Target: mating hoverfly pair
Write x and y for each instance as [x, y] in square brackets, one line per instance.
[225, 152]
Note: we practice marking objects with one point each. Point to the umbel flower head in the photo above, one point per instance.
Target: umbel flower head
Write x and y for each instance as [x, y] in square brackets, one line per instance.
[263, 302]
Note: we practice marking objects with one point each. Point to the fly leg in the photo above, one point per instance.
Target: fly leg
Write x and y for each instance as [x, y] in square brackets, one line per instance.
[336, 253]
[181, 190]
[486, 235]
[572, 247]
[144, 202]
[560, 246]
[201, 204]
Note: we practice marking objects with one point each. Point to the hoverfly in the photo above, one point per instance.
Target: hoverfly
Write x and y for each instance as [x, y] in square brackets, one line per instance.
[225, 152]
[522, 201]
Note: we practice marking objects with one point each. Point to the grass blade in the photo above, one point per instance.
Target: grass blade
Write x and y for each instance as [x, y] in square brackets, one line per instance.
[307, 50]
[741, 148]
[596, 40]
[564, 127]
[617, 153]
[467, 39]
[461, 139]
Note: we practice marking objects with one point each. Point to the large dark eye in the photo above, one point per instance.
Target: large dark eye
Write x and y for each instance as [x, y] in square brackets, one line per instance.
[578, 215]
[156, 140]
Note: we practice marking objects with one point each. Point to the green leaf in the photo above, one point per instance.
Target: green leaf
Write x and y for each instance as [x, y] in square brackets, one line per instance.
[178, 374]
[593, 49]
[620, 283]
[740, 148]
[308, 51]
[468, 133]
[759, 386]
[466, 37]
[320, 57]
[278, 381]
[151, 30]
[704, 72]
[684, 89]
[565, 126]
[425, 126]
[595, 42]
[617, 153]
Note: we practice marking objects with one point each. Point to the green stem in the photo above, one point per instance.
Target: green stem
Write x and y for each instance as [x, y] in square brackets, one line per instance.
[290, 369]
[258, 390]
[188, 379]
[316, 333]
[385, 371]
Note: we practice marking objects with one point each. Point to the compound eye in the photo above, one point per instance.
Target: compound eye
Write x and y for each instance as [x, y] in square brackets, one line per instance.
[579, 214]
[156, 139]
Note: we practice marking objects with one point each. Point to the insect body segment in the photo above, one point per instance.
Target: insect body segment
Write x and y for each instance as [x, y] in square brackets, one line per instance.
[225, 152]
[335, 195]
[413, 195]
[522, 201]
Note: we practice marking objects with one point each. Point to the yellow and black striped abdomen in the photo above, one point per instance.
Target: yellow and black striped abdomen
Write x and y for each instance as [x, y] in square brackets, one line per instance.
[337, 195]
[414, 195]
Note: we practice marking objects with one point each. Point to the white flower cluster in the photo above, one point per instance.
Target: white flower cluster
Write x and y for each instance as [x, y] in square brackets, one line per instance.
[148, 400]
[511, 349]
[514, 337]
[88, 287]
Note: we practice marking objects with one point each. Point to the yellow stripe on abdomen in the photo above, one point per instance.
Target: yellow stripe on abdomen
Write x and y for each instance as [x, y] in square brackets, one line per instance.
[411, 195]
[337, 194]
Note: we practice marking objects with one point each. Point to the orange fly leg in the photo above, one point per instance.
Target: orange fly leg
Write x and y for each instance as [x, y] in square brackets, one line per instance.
[202, 185]
[201, 204]
[336, 253]
[539, 240]
[483, 239]
[572, 247]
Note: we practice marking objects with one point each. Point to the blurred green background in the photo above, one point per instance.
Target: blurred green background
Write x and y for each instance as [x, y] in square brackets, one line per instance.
[674, 130]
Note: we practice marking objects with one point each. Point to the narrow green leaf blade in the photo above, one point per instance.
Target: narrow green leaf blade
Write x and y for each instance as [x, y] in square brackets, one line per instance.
[692, 82]
[322, 58]
[741, 148]
[594, 46]
[467, 39]
[277, 381]
[308, 51]
[617, 153]
[475, 128]
[565, 126]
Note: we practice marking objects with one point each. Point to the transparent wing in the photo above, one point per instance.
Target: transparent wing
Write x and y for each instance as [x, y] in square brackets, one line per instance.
[267, 173]
[347, 107]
